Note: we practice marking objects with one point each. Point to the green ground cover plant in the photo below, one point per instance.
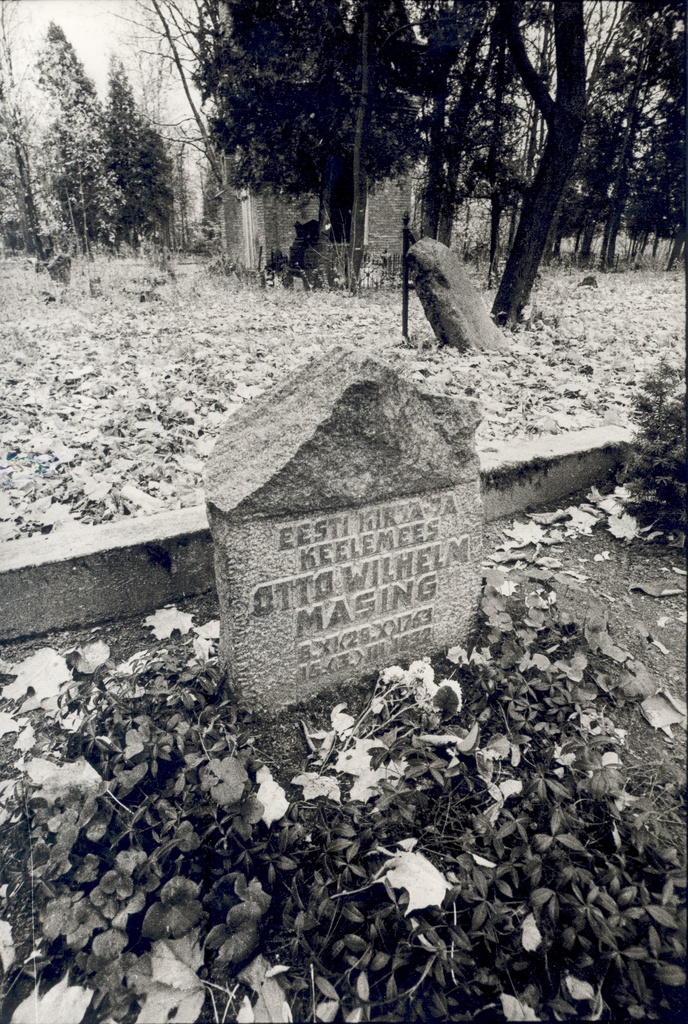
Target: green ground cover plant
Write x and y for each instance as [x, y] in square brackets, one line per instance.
[462, 842]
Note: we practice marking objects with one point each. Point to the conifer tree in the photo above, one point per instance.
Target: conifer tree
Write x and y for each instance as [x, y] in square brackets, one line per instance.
[140, 168]
[76, 140]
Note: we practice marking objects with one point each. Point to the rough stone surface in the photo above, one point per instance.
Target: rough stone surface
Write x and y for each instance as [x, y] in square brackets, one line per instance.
[346, 518]
[454, 308]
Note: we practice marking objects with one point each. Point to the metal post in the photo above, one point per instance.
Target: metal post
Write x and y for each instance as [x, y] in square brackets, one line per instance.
[404, 278]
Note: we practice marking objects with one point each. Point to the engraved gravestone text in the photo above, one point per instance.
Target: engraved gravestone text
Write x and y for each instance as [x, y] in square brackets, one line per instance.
[364, 583]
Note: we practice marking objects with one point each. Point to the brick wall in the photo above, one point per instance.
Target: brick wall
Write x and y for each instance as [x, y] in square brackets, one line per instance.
[267, 221]
[387, 204]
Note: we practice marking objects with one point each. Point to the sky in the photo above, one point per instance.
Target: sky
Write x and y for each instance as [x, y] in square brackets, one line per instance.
[95, 28]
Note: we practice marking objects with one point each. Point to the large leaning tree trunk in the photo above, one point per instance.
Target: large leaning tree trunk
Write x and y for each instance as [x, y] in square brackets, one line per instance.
[565, 117]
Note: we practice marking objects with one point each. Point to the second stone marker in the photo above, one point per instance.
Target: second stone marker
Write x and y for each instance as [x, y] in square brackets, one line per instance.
[346, 518]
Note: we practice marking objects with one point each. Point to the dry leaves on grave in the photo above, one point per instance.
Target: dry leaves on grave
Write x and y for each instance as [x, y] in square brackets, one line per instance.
[112, 409]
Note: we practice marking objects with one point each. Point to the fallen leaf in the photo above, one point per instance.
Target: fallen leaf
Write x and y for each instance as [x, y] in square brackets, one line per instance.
[271, 1006]
[510, 787]
[579, 989]
[637, 682]
[530, 934]
[166, 620]
[173, 987]
[277, 969]
[662, 709]
[45, 673]
[457, 655]
[425, 885]
[367, 784]
[203, 648]
[547, 518]
[341, 723]
[7, 953]
[146, 502]
[581, 521]
[315, 785]
[26, 740]
[55, 780]
[61, 1004]
[91, 657]
[514, 1010]
[8, 723]
[524, 534]
[271, 796]
[245, 1013]
[356, 760]
[470, 741]
[497, 747]
[210, 630]
[653, 591]
[603, 556]
[483, 862]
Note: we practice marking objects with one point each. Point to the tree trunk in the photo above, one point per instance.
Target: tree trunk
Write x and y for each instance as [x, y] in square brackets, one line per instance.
[565, 118]
[588, 235]
[436, 183]
[512, 226]
[471, 89]
[359, 175]
[621, 186]
[496, 203]
[27, 202]
[676, 249]
[553, 237]
[87, 248]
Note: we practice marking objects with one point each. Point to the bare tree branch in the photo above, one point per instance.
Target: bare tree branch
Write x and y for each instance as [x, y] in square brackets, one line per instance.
[209, 149]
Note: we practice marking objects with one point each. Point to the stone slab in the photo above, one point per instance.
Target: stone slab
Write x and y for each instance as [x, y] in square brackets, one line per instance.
[37, 594]
[532, 473]
[451, 303]
[347, 520]
[103, 572]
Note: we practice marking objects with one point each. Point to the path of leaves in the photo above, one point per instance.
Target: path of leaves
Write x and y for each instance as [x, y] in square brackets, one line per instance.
[110, 406]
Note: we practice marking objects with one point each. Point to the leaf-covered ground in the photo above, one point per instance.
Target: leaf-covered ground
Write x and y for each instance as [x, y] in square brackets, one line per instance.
[109, 406]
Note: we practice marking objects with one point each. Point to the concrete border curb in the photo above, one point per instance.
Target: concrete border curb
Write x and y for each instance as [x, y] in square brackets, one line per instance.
[137, 565]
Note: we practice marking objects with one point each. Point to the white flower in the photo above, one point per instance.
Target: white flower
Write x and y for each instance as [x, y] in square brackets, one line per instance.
[423, 672]
[395, 674]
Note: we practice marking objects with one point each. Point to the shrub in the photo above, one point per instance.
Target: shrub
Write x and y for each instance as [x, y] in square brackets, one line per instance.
[658, 462]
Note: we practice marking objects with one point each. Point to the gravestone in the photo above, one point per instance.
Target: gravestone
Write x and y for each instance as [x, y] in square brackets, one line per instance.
[60, 268]
[346, 519]
[452, 305]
